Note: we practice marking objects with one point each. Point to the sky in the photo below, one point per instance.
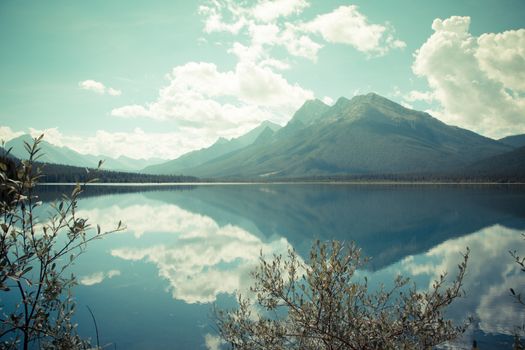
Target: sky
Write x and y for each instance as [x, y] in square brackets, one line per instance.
[160, 78]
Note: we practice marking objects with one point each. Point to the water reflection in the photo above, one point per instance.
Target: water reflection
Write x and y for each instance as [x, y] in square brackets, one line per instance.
[491, 272]
[199, 258]
[199, 244]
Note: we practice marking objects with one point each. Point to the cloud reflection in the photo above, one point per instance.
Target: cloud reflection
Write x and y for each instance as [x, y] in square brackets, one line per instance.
[199, 258]
[213, 342]
[97, 277]
[491, 272]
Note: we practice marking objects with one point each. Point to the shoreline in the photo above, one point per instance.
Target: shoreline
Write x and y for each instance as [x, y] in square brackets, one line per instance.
[248, 183]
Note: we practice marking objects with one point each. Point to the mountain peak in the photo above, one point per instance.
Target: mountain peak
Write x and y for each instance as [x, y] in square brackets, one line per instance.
[309, 111]
[264, 136]
[221, 140]
[341, 101]
[24, 137]
[270, 124]
[313, 103]
[373, 98]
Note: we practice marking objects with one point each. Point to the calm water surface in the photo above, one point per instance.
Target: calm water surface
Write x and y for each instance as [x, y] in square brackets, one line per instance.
[188, 247]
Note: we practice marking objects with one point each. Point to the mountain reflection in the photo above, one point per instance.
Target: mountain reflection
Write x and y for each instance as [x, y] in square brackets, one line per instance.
[387, 222]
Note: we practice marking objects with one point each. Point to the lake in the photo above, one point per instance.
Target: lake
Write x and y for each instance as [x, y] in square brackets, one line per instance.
[187, 248]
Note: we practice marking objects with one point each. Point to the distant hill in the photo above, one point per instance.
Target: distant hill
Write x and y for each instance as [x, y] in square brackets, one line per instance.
[66, 156]
[509, 165]
[59, 173]
[219, 148]
[515, 141]
[368, 134]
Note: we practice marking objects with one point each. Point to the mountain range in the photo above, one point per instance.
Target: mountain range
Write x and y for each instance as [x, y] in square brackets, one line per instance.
[66, 156]
[365, 135]
[221, 147]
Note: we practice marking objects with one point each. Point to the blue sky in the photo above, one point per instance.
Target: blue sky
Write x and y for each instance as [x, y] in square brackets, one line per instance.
[161, 78]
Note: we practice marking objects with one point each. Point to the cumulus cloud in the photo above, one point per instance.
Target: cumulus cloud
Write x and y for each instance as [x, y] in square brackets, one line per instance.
[415, 95]
[192, 98]
[6, 133]
[346, 25]
[478, 81]
[98, 87]
[168, 145]
[299, 44]
[502, 57]
[92, 85]
[113, 92]
[51, 135]
[98, 277]
[270, 10]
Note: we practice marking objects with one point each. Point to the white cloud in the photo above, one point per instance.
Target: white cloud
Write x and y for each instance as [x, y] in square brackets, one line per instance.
[131, 111]
[114, 92]
[214, 21]
[414, 95]
[92, 85]
[98, 87]
[267, 24]
[269, 10]
[263, 34]
[346, 25]
[273, 63]
[6, 133]
[262, 86]
[98, 277]
[193, 98]
[502, 57]
[51, 135]
[477, 81]
[299, 44]
[328, 100]
[168, 145]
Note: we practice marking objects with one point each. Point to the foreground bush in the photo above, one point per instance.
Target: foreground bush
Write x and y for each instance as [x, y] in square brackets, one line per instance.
[35, 288]
[323, 305]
